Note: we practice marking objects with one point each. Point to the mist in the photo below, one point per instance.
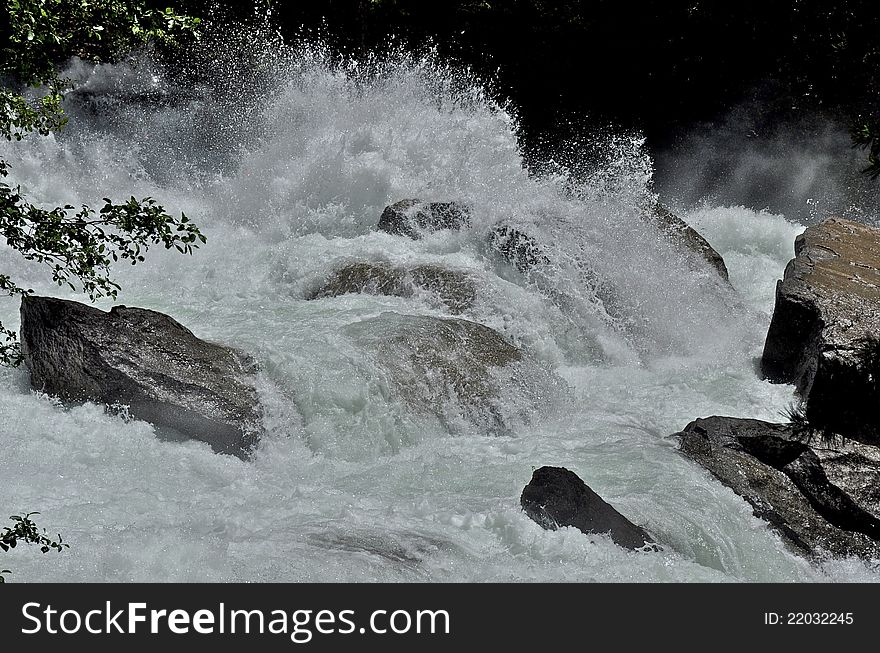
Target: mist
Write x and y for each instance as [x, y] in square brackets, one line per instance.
[802, 166]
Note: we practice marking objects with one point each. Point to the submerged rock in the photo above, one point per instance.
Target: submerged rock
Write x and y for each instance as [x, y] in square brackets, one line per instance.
[144, 360]
[825, 333]
[405, 549]
[683, 234]
[516, 248]
[821, 499]
[454, 289]
[557, 497]
[413, 217]
[454, 368]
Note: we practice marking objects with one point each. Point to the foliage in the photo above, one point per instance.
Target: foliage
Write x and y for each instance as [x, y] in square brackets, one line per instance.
[804, 431]
[18, 115]
[44, 33]
[81, 245]
[77, 245]
[25, 531]
[866, 135]
[812, 428]
[41, 34]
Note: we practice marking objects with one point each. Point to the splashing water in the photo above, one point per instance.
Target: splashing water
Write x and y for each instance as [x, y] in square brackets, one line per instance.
[286, 166]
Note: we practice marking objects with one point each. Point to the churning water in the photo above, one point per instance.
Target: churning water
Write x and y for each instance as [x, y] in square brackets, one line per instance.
[286, 167]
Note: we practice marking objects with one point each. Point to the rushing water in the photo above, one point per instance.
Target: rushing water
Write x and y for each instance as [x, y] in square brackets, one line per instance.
[287, 172]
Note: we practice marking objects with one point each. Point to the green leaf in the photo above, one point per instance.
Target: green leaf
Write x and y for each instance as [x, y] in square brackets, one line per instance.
[78, 249]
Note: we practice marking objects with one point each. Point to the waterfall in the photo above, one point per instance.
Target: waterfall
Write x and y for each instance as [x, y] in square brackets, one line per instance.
[286, 158]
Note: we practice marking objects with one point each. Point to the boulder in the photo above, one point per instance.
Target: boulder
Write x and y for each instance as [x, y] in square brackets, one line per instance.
[820, 496]
[686, 236]
[521, 250]
[412, 218]
[516, 247]
[455, 368]
[825, 333]
[558, 497]
[454, 289]
[144, 360]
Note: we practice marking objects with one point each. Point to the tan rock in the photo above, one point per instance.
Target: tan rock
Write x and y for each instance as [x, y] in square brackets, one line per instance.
[825, 332]
[451, 287]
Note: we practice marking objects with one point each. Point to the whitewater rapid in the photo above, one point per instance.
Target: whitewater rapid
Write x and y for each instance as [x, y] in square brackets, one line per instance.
[287, 179]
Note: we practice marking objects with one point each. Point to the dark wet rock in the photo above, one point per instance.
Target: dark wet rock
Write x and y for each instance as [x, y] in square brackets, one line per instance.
[686, 236]
[456, 368]
[822, 497]
[412, 218]
[454, 289]
[516, 248]
[144, 360]
[825, 333]
[557, 497]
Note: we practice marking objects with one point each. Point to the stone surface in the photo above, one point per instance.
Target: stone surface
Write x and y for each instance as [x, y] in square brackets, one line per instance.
[683, 234]
[557, 497]
[144, 360]
[454, 289]
[413, 218]
[825, 333]
[821, 497]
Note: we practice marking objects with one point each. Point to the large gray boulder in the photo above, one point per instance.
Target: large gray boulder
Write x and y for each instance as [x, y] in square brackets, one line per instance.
[413, 218]
[820, 496]
[146, 361]
[453, 288]
[454, 368]
[825, 333]
[557, 497]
